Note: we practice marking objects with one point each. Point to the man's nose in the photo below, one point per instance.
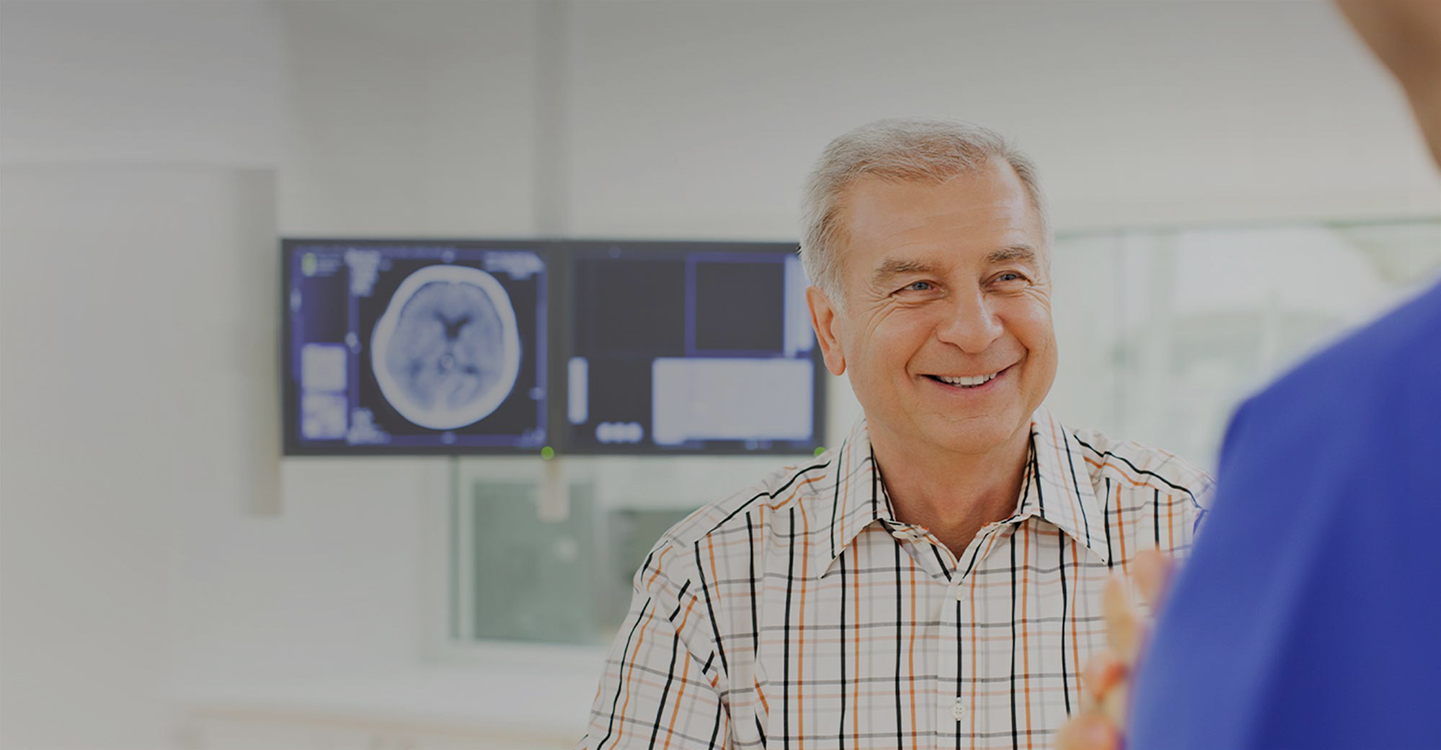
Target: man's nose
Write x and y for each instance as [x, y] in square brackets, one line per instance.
[970, 324]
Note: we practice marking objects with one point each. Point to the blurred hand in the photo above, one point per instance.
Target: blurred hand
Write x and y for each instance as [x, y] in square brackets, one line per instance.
[1107, 676]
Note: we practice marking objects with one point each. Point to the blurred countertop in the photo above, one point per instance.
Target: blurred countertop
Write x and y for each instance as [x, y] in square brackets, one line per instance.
[548, 697]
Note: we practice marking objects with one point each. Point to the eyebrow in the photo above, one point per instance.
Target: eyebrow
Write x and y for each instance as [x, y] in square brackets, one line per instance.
[1023, 253]
[898, 267]
[892, 268]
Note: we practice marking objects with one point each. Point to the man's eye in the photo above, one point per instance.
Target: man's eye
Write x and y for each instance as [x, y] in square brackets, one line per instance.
[918, 286]
[1010, 276]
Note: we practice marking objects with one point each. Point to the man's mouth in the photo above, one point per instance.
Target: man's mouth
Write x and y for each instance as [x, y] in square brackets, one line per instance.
[966, 381]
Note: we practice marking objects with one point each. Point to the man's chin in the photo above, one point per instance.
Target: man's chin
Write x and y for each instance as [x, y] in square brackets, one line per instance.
[972, 437]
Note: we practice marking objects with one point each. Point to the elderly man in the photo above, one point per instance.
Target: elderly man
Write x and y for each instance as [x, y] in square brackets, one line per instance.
[935, 581]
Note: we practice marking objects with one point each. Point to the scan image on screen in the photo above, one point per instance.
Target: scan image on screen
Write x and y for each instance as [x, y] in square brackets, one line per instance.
[446, 350]
[415, 347]
[699, 348]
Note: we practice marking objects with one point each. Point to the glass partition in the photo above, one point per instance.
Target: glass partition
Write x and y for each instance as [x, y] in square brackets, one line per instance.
[1162, 333]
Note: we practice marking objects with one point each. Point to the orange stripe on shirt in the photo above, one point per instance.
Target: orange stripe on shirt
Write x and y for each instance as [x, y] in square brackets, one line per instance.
[620, 730]
[659, 558]
[1126, 476]
[1170, 524]
[680, 694]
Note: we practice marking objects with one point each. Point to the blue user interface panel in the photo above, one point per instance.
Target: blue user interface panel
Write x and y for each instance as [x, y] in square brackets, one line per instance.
[414, 347]
[690, 348]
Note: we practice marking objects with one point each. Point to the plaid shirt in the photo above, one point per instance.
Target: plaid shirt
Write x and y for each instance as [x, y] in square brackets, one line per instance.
[801, 614]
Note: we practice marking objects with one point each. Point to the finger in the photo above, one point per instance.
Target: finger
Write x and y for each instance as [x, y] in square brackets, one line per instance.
[1116, 703]
[1123, 623]
[1102, 672]
[1088, 732]
[1153, 577]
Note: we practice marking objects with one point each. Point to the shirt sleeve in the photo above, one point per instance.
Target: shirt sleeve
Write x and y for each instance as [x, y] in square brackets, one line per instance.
[663, 681]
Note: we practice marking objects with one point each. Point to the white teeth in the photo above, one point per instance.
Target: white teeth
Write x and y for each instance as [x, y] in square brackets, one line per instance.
[967, 382]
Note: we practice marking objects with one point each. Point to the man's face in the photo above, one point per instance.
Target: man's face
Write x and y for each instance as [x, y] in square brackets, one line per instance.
[946, 328]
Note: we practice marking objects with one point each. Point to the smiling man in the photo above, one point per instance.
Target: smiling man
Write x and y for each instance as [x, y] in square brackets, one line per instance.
[935, 581]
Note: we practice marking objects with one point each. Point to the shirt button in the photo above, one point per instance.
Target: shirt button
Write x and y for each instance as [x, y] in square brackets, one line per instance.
[958, 592]
[958, 709]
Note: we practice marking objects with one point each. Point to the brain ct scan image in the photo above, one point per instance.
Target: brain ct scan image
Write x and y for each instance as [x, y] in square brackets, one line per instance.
[415, 346]
[446, 351]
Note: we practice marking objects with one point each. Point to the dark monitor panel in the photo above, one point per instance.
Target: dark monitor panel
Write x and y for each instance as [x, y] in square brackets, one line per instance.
[699, 348]
[415, 347]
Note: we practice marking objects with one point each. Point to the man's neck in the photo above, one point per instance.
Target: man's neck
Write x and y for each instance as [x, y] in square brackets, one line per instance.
[953, 495]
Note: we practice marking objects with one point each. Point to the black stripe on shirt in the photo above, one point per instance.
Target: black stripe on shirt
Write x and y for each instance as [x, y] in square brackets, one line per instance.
[1033, 473]
[755, 600]
[1157, 512]
[678, 604]
[715, 730]
[1106, 520]
[786, 661]
[836, 501]
[1065, 604]
[1127, 462]
[1085, 522]
[665, 692]
[841, 726]
[1015, 727]
[771, 495]
[625, 657]
[710, 609]
[960, 653]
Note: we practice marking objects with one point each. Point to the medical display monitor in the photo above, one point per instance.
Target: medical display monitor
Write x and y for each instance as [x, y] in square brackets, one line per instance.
[678, 348]
[415, 347]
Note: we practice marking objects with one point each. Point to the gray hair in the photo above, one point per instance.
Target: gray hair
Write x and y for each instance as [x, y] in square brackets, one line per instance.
[902, 150]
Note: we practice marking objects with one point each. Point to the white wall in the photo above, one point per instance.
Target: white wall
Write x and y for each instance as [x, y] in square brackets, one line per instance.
[161, 82]
[409, 118]
[132, 375]
[702, 118]
[692, 119]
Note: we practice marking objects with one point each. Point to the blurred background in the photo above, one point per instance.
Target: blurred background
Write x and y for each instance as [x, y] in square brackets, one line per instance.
[1232, 184]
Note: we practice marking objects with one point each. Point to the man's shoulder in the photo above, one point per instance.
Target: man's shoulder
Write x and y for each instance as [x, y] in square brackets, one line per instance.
[753, 504]
[1137, 465]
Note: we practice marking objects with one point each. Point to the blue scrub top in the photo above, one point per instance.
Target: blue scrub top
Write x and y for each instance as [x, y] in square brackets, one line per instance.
[1309, 615]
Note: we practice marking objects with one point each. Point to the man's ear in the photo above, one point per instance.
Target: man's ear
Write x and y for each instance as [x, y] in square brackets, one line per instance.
[823, 319]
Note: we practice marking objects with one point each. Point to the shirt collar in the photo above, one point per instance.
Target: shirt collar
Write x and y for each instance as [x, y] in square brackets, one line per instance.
[1057, 489]
[1058, 486]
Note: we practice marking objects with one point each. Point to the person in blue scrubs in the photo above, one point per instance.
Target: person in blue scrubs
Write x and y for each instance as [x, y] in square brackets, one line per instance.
[1309, 615]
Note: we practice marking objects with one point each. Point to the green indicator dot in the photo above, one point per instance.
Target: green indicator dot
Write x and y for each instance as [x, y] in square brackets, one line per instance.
[547, 453]
[820, 449]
